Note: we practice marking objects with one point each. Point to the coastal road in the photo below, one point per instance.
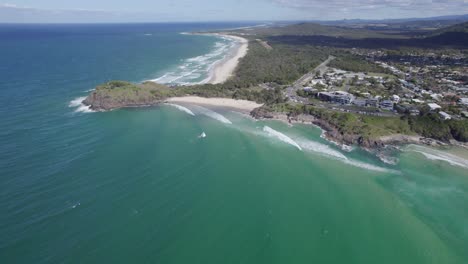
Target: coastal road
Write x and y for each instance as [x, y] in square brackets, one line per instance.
[309, 76]
[291, 91]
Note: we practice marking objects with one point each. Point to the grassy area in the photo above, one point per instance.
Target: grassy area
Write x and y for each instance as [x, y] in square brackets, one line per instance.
[370, 127]
[122, 90]
[349, 62]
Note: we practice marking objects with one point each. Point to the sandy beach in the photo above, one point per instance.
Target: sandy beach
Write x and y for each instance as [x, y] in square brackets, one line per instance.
[224, 69]
[243, 106]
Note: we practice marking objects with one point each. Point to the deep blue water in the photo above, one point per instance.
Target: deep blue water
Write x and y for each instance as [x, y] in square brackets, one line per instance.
[139, 186]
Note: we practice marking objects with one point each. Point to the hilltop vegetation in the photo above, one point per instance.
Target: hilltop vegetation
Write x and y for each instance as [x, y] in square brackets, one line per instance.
[356, 129]
[313, 29]
[462, 28]
[349, 62]
[116, 94]
[264, 73]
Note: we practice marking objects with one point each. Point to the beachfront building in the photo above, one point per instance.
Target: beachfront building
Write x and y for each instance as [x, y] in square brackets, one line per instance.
[360, 102]
[434, 107]
[387, 105]
[445, 116]
[463, 101]
[338, 97]
[372, 102]
[396, 99]
[414, 112]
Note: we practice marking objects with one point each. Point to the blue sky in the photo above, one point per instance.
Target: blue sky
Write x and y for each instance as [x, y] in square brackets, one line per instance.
[221, 10]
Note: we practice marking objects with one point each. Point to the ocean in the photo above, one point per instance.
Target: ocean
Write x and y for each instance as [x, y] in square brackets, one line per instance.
[142, 186]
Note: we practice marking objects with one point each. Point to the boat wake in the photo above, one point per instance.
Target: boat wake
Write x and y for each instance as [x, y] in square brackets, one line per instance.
[282, 137]
[79, 106]
[182, 108]
[433, 154]
[212, 114]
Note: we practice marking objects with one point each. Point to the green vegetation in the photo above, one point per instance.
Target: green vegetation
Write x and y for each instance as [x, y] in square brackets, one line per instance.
[313, 29]
[131, 91]
[281, 66]
[461, 28]
[430, 125]
[368, 127]
[349, 62]
[263, 74]
[372, 127]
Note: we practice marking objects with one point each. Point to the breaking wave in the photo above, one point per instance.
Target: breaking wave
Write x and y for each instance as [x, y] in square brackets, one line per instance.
[327, 151]
[322, 149]
[79, 106]
[182, 108]
[196, 70]
[433, 154]
[210, 113]
[273, 133]
[368, 166]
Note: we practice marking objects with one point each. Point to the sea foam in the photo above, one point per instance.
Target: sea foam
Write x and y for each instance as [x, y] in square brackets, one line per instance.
[182, 108]
[213, 114]
[282, 137]
[192, 69]
[79, 106]
[321, 149]
[433, 154]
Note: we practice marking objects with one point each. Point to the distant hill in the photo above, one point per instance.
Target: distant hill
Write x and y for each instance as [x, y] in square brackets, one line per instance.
[453, 18]
[459, 28]
[314, 29]
[455, 36]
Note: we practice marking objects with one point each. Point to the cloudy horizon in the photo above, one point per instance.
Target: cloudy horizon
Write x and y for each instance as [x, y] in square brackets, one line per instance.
[88, 11]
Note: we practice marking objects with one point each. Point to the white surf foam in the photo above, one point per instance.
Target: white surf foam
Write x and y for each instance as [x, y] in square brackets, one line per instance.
[433, 154]
[192, 69]
[79, 106]
[182, 108]
[213, 114]
[321, 149]
[76, 102]
[327, 151]
[282, 137]
[368, 166]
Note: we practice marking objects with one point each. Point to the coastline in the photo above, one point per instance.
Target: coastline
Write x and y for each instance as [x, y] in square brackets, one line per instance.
[223, 69]
[242, 106]
[331, 134]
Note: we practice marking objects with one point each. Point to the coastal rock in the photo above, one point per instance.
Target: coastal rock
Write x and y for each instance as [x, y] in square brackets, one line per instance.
[119, 94]
[333, 134]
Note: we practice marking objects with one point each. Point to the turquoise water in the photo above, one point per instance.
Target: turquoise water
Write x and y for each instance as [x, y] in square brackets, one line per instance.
[141, 186]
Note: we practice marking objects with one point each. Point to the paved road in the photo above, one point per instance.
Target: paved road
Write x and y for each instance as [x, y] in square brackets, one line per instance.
[291, 91]
[309, 76]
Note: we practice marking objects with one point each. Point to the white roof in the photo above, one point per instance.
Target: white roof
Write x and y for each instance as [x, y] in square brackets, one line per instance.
[434, 106]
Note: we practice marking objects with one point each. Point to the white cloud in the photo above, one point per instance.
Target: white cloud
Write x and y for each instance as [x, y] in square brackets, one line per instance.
[8, 5]
[448, 5]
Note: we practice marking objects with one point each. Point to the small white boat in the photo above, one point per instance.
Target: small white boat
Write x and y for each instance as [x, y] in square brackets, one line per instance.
[203, 135]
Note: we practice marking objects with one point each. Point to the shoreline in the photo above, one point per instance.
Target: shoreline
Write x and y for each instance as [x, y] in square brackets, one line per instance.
[345, 141]
[224, 69]
[242, 106]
